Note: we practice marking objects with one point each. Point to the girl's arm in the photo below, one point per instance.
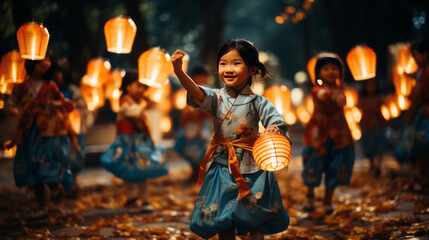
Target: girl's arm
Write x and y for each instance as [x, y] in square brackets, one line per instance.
[184, 79]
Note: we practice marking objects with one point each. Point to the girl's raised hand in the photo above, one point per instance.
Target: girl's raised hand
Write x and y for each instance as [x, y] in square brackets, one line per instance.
[176, 59]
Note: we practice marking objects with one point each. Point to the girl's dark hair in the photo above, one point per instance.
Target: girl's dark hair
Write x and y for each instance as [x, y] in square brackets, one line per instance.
[331, 58]
[48, 76]
[131, 76]
[248, 52]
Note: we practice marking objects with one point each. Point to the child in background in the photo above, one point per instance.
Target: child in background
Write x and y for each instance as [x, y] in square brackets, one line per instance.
[77, 154]
[330, 148]
[42, 135]
[194, 135]
[236, 196]
[376, 135]
[133, 156]
[417, 118]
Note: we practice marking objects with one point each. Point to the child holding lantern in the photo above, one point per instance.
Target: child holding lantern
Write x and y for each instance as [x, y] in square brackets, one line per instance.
[236, 196]
[133, 156]
[330, 148]
[42, 136]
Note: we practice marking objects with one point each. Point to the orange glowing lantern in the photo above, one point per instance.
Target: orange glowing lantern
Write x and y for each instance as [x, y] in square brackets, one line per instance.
[311, 65]
[350, 115]
[385, 112]
[403, 102]
[75, 121]
[403, 83]
[6, 88]
[272, 152]
[120, 33]
[362, 62]
[154, 67]
[392, 105]
[279, 96]
[8, 153]
[406, 61]
[97, 72]
[93, 96]
[166, 124]
[179, 99]
[13, 67]
[33, 41]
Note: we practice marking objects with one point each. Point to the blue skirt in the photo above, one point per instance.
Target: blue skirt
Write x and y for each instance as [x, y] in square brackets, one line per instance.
[77, 158]
[217, 208]
[336, 164]
[42, 160]
[133, 158]
[376, 141]
[192, 150]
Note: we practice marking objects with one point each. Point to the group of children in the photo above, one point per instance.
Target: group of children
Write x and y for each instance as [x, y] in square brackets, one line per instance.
[236, 196]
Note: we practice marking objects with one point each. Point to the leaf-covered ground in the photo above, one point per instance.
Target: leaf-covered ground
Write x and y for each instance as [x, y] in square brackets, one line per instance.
[370, 208]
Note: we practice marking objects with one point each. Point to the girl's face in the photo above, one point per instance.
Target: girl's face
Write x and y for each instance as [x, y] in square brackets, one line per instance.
[233, 71]
[329, 73]
[136, 90]
[42, 67]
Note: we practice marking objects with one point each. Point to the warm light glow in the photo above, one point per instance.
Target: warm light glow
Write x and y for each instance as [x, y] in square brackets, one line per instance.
[303, 114]
[402, 83]
[352, 96]
[385, 112]
[120, 33]
[272, 152]
[300, 77]
[6, 88]
[166, 124]
[33, 41]
[309, 104]
[311, 65]
[97, 73]
[154, 67]
[403, 102]
[13, 67]
[297, 96]
[179, 99]
[355, 129]
[290, 118]
[406, 61]
[357, 114]
[362, 62]
[8, 153]
[1, 104]
[279, 96]
[94, 96]
[113, 83]
[75, 121]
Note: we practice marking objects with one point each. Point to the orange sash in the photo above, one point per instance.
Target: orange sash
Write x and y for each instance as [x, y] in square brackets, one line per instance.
[245, 143]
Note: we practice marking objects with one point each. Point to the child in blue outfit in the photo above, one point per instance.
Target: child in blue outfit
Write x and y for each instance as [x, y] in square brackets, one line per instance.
[133, 156]
[236, 196]
[330, 149]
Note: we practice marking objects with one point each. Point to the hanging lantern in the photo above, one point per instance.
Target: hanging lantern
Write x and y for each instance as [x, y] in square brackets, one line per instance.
[33, 41]
[75, 120]
[154, 67]
[272, 152]
[6, 88]
[93, 96]
[179, 99]
[385, 112]
[279, 96]
[362, 62]
[403, 102]
[120, 33]
[311, 65]
[406, 61]
[97, 72]
[13, 67]
[403, 84]
[352, 97]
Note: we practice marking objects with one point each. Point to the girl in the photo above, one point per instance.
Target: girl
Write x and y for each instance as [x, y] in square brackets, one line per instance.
[42, 134]
[376, 137]
[77, 153]
[329, 142]
[236, 196]
[133, 156]
[417, 119]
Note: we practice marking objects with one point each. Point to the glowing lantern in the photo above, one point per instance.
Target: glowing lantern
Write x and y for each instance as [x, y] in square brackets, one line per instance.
[403, 84]
[13, 67]
[97, 72]
[154, 67]
[75, 121]
[33, 41]
[406, 61]
[392, 105]
[93, 96]
[279, 96]
[6, 88]
[362, 62]
[385, 111]
[311, 65]
[8, 153]
[179, 99]
[272, 152]
[159, 94]
[355, 129]
[403, 102]
[352, 96]
[290, 117]
[120, 33]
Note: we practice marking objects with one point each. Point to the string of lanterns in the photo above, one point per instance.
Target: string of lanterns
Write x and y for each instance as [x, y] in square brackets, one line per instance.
[294, 14]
